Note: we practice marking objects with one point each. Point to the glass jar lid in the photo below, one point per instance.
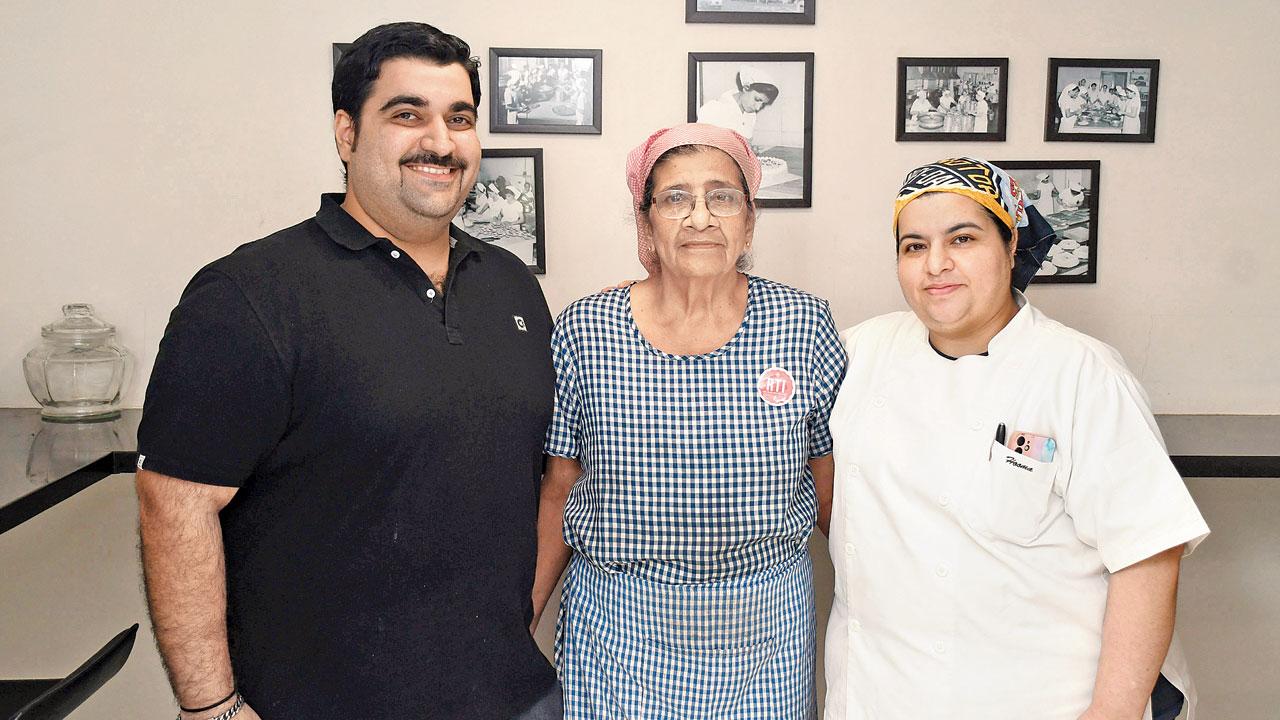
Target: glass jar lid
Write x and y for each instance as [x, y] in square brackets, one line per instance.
[79, 325]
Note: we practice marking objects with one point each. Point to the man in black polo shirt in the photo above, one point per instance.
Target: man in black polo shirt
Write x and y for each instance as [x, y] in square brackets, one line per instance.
[340, 450]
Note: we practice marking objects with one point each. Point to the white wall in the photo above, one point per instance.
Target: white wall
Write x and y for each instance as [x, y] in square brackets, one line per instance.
[142, 140]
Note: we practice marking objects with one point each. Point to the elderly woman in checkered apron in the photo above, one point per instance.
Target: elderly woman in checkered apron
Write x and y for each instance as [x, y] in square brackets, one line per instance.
[689, 460]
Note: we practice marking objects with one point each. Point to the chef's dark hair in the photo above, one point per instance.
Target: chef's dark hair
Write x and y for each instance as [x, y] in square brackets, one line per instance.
[360, 65]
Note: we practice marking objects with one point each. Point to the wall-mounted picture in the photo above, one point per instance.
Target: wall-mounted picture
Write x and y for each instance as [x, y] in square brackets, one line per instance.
[505, 206]
[1066, 194]
[768, 12]
[768, 99]
[1093, 100]
[542, 90]
[338, 49]
[952, 98]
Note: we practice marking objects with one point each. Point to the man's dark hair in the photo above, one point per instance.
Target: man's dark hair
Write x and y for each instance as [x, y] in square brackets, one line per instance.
[356, 71]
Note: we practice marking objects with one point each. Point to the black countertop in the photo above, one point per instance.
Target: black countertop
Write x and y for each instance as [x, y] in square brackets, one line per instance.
[42, 463]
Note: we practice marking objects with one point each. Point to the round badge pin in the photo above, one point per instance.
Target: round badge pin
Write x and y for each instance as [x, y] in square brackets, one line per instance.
[776, 386]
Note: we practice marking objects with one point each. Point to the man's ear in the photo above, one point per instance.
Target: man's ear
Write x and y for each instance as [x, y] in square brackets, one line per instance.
[344, 134]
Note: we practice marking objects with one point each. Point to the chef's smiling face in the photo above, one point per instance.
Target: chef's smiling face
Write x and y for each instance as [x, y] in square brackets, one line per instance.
[954, 266]
[415, 155]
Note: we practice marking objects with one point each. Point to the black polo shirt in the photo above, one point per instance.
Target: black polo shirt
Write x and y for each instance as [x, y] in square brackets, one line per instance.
[387, 442]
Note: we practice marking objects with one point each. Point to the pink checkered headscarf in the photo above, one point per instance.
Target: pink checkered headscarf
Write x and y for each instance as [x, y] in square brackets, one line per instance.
[640, 164]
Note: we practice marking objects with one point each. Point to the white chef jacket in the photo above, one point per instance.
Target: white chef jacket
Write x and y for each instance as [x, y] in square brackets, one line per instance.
[968, 586]
[725, 112]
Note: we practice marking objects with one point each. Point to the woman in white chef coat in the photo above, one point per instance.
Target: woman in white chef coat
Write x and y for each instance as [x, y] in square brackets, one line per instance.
[736, 108]
[972, 580]
[1042, 195]
[981, 110]
[1132, 108]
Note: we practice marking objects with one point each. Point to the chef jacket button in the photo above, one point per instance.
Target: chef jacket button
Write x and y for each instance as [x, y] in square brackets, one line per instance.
[940, 647]
[944, 500]
[878, 402]
[855, 626]
[431, 293]
[854, 470]
[395, 254]
[975, 425]
[850, 550]
[942, 571]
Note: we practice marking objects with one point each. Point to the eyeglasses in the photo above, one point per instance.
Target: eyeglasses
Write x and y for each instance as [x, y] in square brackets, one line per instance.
[679, 204]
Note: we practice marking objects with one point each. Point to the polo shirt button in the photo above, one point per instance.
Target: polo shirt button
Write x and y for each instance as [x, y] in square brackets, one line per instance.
[940, 647]
[850, 550]
[431, 294]
[975, 425]
[879, 402]
[854, 470]
[942, 571]
[944, 500]
[395, 254]
[855, 626]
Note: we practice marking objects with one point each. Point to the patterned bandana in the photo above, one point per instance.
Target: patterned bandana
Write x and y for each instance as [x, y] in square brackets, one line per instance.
[978, 180]
[641, 160]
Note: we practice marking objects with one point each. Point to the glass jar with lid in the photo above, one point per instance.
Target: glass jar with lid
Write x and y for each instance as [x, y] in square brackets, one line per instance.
[79, 372]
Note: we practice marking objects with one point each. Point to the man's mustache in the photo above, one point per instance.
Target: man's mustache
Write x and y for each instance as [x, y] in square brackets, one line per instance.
[447, 161]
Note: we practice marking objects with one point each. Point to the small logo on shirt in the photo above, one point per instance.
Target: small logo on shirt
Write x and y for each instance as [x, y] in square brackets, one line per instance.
[776, 386]
[1016, 464]
[520, 323]
[141, 459]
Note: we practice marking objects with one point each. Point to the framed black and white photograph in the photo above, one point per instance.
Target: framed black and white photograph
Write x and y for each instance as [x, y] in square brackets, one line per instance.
[543, 90]
[952, 98]
[768, 99]
[767, 12]
[338, 49]
[1066, 194]
[505, 206]
[1092, 100]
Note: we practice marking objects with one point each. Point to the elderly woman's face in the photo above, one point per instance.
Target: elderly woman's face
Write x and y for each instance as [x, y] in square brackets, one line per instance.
[700, 245]
[953, 264]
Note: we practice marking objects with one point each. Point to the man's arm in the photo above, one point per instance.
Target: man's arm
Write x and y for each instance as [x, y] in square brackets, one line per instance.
[1136, 632]
[824, 478]
[553, 554]
[185, 573]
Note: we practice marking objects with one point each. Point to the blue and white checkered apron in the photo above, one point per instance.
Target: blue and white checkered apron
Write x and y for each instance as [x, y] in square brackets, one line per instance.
[690, 591]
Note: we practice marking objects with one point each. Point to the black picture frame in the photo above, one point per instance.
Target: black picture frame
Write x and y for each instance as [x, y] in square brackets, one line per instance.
[784, 194]
[544, 115]
[806, 16]
[1077, 235]
[500, 231]
[1109, 122]
[338, 50]
[946, 72]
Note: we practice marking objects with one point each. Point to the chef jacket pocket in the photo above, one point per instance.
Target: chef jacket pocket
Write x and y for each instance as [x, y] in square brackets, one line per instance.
[1011, 496]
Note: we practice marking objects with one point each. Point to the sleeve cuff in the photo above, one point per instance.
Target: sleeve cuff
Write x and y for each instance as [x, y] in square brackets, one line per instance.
[1191, 535]
[192, 472]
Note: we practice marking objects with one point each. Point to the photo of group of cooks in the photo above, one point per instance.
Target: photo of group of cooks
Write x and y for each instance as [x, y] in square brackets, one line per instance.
[951, 98]
[504, 207]
[765, 98]
[535, 93]
[1065, 193]
[1096, 102]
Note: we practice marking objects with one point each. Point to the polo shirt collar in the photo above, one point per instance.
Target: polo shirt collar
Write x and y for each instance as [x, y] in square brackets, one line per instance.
[349, 233]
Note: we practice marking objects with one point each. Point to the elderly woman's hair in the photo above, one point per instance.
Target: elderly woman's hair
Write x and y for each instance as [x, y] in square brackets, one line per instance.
[646, 201]
[745, 260]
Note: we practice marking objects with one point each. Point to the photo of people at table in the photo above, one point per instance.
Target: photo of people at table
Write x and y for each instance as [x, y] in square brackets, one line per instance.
[1064, 197]
[546, 90]
[1110, 101]
[501, 208]
[952, 99]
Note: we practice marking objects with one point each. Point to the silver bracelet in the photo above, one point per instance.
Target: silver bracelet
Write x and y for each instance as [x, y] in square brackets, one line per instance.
[230, 712]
